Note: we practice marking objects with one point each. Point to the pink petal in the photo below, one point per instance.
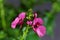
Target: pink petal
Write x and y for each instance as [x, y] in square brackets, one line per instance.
[39, 20]
[22, 15]
[29, 22]
[15, 22]
[41, 31]
[35, 15]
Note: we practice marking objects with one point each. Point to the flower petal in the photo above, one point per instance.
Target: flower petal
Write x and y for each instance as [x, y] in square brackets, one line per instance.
[39, 20]
[35, 15]
[29, 22]
[22, 15]
[41, 31]
[14, 23]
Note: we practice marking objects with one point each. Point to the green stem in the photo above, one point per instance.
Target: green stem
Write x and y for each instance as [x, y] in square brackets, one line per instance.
[25, 33]
[2, 12]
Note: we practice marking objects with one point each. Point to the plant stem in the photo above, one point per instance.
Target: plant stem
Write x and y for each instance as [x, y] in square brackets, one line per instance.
[25, 33]
[2, 12]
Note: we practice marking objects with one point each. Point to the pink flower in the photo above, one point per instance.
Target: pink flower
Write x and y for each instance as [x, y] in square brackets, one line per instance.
[29, 22]
[41, 31]
[37, 21]
[22, 15]
[38, 27]
[18, 20]
[15, 22]
[35, 15]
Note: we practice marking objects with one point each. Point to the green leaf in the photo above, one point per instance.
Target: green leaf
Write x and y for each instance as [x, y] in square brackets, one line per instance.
[2, 34]
[49, 22]
[56, 6]
[32, 36]
[13, 33]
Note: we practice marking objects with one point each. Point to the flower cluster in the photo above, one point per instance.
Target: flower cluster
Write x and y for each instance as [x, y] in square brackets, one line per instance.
[36, 23]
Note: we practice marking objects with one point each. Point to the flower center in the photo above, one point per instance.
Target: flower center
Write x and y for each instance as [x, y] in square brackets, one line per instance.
[36, 25]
